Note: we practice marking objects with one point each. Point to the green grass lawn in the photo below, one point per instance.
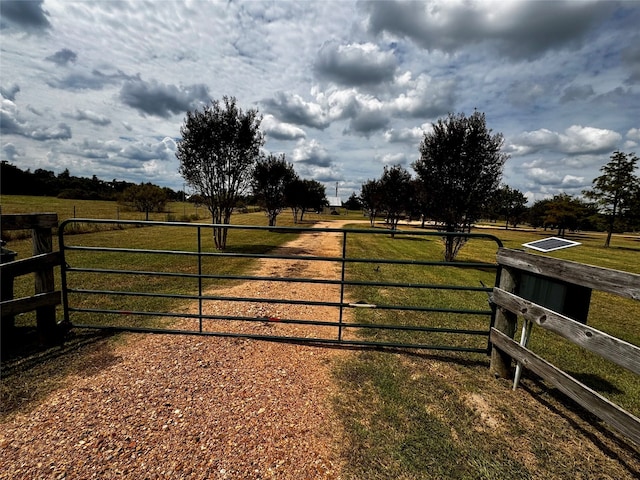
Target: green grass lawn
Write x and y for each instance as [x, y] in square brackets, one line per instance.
[66, 208]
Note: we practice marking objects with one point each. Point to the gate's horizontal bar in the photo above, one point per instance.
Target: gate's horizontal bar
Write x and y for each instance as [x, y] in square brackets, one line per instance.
[208, 276]
[287, 321]
[279, 301]
[286, 339]
[282, 279]
[202, 254]
[204, 297]
[275, 229]
[310, 258]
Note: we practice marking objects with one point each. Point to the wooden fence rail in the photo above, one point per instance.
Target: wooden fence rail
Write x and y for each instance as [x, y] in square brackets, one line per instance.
[509, 305]
[41, 264]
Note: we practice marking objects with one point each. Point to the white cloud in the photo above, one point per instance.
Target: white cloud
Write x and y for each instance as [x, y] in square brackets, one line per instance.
[634, 134]
[280, 130]
[423, 96]
[407, 135]
[572, 181]
[292, 108]
[393, 159]
[575, 140]
[89, 116]
[312, 153]
[579, 139]
[543, 176]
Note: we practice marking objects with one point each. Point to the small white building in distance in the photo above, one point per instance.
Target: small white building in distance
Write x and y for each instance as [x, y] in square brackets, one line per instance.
[335, 204]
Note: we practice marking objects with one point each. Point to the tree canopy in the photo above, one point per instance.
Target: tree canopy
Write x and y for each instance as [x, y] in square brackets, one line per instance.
[353, 202]
[145, 197]
[371, 196]
[270, 178]
[511, 204]
[615, 189]
[15, 181]
[219, 148]
[396, 188]
[461, 165]
[304, 195]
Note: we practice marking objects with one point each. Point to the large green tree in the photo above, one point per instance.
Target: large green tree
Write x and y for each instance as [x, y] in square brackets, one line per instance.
[353, 202]
[461, 166]
[145, 197]
[632, 216]
[420, 203]
[304, 195]
[537, 213]
[396, 188]
[564, 212]
[269, 182]
[511, 204]
[372, 198]
[219, 148]
[614, 189]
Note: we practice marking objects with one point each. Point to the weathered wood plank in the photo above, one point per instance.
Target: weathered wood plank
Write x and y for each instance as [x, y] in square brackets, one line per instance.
[618, 418]
[30, 264]
[614, 349]
[22, 221]
[27, 304]
[44, 282]
[43, 243]
[505, 321]
[620, 283]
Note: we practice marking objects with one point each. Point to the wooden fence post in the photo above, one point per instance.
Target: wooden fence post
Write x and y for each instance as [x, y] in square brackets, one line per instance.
[48, 333]
[506, 322]
[8, 322]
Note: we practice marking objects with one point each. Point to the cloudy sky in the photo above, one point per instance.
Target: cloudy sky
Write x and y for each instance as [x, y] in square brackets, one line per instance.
[345, 88]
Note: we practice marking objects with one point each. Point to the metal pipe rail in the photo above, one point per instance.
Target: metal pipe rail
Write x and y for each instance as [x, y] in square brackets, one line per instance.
[200, 294]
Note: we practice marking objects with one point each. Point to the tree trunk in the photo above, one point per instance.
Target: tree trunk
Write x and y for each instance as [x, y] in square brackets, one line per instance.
[219, 233]
[611, 223]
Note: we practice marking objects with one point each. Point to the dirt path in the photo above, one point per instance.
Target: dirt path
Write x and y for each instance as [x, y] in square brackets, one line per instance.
[162, 406]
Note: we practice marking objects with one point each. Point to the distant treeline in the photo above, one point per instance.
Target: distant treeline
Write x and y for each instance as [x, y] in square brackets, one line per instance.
[15, 181]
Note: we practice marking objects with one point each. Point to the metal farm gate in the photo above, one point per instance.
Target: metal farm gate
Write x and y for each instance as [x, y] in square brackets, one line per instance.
[378, 288]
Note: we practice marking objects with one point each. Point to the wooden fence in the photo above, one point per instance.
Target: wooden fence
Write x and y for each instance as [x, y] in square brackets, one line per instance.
[41, 264]
[509, 305]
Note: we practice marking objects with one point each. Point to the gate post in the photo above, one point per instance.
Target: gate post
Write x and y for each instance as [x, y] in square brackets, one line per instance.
[48, 333]
[506, 322]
